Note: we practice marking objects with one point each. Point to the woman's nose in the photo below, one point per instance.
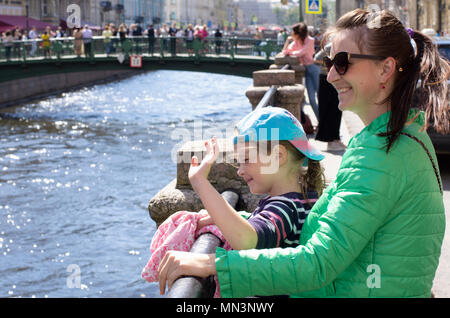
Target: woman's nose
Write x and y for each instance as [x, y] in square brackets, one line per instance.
[333, 75]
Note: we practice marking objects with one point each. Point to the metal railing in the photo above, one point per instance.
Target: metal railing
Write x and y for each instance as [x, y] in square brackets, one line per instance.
[196, 287]
[161, 47]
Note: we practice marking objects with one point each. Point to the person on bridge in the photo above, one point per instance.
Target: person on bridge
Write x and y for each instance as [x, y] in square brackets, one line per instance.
[107, 34]
[189, 36]
[173, 40]
[46, 44]
[33, 36]
[377, 229]
[151, 39]
[78, 41]
[87, 39]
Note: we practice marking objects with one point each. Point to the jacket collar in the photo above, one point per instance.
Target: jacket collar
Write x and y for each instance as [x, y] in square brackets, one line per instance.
[379, 124]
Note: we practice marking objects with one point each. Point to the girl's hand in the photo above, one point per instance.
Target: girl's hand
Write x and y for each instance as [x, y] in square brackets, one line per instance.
[201, 171]
[204, 221]
[176, 264]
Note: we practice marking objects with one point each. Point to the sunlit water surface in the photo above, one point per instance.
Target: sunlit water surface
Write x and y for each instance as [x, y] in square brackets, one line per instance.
[77, 171]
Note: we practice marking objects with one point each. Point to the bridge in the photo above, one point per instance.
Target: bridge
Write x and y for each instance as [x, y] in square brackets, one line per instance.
[60, 68]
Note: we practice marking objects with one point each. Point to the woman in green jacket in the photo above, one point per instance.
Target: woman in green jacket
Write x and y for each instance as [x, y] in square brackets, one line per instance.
[377, 230]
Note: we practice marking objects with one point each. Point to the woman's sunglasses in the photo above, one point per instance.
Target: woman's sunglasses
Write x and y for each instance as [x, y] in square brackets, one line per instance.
[341, 61]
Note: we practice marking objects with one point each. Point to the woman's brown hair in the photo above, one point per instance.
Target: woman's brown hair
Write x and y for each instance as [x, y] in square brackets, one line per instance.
[301, 29]
[382, 34]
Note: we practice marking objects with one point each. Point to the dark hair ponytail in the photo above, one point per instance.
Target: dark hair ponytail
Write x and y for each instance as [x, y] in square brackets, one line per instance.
[433, 88]
[301, 29]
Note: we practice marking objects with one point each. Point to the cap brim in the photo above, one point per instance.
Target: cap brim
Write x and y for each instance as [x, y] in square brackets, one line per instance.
[306, 148]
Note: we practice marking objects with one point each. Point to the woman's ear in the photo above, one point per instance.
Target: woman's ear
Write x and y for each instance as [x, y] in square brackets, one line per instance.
[388, 67]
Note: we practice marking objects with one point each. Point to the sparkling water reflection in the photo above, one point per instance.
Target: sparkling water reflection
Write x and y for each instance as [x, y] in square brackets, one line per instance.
[77, 171]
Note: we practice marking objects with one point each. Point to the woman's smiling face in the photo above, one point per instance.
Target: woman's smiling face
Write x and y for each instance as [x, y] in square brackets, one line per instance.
[358, 88]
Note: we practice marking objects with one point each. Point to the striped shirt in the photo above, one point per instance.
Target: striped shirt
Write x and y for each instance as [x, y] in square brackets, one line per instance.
[278, 220]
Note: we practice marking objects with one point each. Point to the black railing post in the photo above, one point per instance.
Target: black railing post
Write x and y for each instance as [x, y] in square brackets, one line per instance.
[195, 287]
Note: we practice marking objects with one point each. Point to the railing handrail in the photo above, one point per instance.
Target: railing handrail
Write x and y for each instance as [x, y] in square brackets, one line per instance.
[195, 287]
[66, 48]
[101, 37]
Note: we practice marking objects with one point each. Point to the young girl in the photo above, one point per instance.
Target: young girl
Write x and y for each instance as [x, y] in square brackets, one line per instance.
[272, 150]
[274, 158]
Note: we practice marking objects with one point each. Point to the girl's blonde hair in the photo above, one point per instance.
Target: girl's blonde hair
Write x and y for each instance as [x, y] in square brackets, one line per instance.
[310, 179]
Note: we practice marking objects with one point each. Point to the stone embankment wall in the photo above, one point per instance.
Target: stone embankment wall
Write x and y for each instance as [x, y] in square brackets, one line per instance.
[20, 90]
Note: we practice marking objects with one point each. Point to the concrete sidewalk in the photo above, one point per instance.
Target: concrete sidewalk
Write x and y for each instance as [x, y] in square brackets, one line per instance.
[350, 126]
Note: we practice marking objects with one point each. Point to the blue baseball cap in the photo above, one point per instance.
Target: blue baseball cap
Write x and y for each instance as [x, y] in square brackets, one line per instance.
[275, 123]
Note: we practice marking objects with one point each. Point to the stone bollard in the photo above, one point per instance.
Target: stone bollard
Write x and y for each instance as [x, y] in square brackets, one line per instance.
[178, 195]
[289, 94]
[294, 64]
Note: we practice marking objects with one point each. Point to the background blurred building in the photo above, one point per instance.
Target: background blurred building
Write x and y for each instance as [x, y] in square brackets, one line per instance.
[11, 7]
[418, 14]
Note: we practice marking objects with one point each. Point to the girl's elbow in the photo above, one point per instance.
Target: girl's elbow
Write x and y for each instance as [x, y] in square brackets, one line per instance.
[244, 243]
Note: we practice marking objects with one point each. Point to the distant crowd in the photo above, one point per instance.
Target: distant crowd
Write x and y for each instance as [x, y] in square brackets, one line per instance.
[142, 40]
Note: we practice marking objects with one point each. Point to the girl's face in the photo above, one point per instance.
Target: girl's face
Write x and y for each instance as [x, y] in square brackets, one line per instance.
[358, 89]
[257, 168]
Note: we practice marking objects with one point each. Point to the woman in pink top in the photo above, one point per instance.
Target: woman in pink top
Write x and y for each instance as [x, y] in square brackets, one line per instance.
[301, 45]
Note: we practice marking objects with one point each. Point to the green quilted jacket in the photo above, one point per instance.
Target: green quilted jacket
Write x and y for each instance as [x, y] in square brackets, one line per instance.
[376, 231]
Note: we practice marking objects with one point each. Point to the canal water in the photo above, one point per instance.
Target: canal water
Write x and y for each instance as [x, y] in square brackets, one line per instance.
[78, 169]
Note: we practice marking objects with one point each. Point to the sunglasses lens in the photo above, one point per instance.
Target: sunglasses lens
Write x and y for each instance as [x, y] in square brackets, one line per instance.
[341, 62]
[328, 62]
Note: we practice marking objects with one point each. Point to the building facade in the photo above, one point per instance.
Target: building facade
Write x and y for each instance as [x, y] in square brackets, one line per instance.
[12, 7]
[417, 14]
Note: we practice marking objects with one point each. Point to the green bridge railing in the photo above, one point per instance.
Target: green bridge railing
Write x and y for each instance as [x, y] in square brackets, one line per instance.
[162, 48]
